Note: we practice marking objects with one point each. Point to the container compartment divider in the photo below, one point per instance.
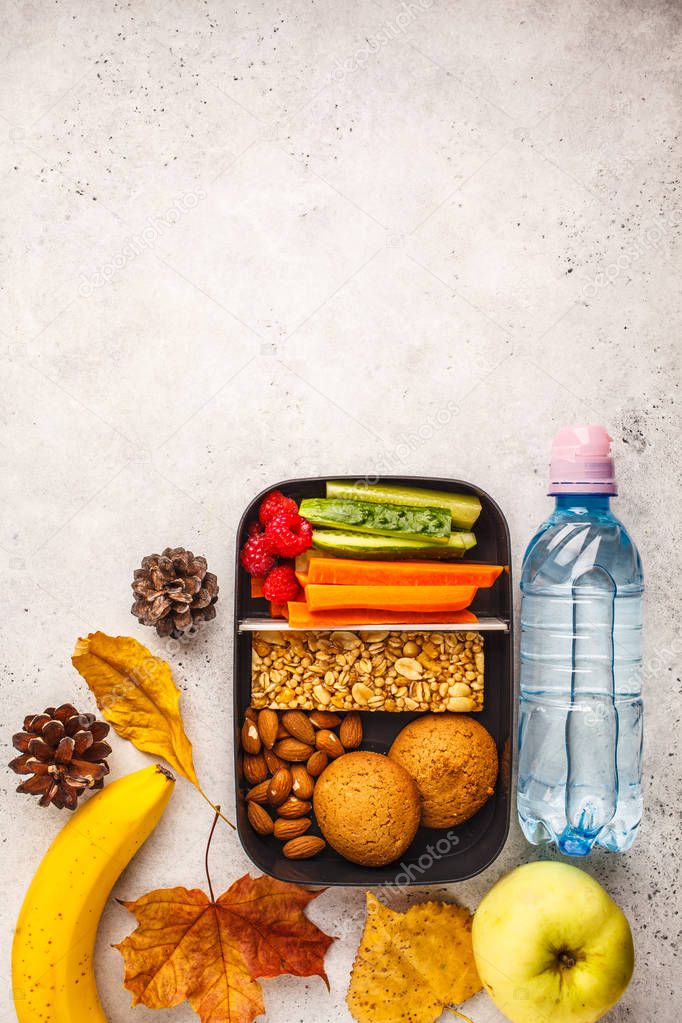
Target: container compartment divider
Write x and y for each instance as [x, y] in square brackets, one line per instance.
[281, 625]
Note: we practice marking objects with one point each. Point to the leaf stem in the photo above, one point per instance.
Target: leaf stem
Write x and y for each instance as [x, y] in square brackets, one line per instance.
[460, 1014]
[216, 809]
[208, 847]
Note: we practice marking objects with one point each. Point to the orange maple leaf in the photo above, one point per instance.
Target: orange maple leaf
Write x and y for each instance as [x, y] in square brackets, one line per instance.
[188, 947]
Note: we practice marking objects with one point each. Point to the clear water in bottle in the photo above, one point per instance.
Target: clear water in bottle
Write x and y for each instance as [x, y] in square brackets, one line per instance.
[580, 720]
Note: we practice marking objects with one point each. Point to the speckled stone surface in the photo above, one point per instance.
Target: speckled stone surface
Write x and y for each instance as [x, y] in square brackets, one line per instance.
[245, 242]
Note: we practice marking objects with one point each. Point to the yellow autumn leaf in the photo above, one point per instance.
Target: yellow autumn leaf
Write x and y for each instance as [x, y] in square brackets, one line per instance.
[410, 966]
[136, 694]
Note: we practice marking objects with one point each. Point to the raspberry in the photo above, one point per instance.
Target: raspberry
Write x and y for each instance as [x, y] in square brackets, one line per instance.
[273, 503]
[255, 556]
[288, 534]
[255, 529]
[281, 585]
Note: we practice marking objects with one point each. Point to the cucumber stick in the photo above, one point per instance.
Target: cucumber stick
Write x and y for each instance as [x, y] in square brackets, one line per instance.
[464, 508]
[392, 548]
[427, 524]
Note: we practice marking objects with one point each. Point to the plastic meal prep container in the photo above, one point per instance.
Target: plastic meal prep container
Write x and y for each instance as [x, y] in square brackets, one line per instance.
[436, 856]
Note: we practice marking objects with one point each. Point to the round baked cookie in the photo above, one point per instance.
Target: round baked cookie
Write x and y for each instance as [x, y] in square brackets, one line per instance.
[453, 760]
[367, 807]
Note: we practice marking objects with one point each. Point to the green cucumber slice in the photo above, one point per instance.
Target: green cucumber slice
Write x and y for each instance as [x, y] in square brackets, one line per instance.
[427, 524]
[361, 545]
[464, 508]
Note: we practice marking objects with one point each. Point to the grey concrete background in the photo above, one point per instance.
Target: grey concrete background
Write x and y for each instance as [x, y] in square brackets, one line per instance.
[245, 242]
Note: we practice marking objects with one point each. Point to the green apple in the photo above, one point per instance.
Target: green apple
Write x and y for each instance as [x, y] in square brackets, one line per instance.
[551, 945]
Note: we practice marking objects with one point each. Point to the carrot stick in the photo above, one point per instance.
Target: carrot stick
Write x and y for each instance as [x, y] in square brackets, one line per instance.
[389, 598]
[256, 586]
[352, 572]
[301, 618]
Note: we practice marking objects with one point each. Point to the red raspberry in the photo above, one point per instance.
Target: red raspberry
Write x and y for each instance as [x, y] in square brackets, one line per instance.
[281, 585]
[255, 556]
[274, 503]
[288, 534]
[255, 529]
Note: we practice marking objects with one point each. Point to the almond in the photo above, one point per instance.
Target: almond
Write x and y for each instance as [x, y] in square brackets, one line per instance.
[304, 847]
[279, 787]
[268, 726]
[251, 714]
[259, 793]
[324, 719]
[255, 768]
[285, 829]
[274, 763]
[292, 750]
[329, 743]
[250, 737]
[298, 724]
[317, 763]
[281, 731]
[350, 732]
[303, 783]
[293, 807]
[259, 819]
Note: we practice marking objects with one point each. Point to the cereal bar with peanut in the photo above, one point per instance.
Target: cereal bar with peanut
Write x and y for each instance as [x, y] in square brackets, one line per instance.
[381, 670]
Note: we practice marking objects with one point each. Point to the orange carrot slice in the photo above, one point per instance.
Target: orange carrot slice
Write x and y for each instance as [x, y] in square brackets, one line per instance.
[352, 572]
[389, 598]
[256, 587]
[279, 610]
[301, 618]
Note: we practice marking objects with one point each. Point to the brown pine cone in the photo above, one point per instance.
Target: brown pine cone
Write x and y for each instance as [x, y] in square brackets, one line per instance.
[174, 590]
[64, 753]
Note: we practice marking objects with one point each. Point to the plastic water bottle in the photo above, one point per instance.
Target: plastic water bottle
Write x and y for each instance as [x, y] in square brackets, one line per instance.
[580, 721]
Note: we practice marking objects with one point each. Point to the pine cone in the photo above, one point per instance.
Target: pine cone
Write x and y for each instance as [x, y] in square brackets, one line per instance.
[64, 753]
[174, 590]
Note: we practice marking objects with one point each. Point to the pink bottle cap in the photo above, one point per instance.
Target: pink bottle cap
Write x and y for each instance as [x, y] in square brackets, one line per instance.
[581, 461]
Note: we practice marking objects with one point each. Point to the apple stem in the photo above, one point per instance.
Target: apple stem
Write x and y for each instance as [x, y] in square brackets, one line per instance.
[460, 1014]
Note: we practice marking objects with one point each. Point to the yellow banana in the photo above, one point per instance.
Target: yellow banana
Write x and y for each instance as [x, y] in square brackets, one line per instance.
[52, 957]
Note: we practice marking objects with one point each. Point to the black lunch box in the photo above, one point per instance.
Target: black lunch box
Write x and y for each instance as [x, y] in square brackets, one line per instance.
[435, 856]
